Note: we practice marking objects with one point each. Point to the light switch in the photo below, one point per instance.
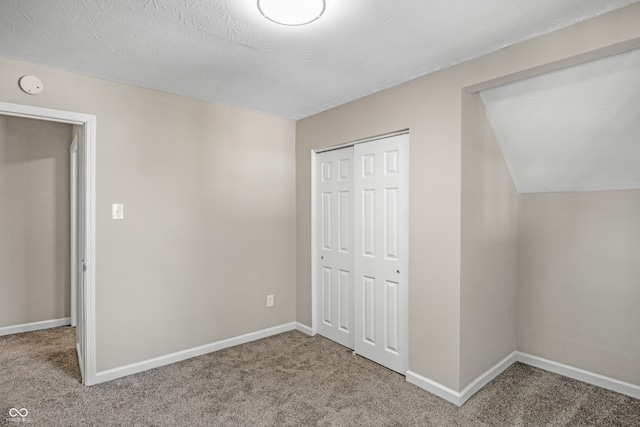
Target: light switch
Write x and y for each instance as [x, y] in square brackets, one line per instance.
[117, 211]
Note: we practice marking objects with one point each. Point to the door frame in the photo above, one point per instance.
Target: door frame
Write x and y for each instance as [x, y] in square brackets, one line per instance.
[86, 355]
[314, 230]
[73, 196]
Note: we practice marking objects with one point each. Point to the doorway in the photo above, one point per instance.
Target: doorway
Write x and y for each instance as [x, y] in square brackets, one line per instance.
[85, 272]
[361, 216]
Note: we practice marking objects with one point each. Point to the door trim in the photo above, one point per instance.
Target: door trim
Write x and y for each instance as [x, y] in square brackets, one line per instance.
[359, 141]
[88, 359]
[73, 164]
[314, 252]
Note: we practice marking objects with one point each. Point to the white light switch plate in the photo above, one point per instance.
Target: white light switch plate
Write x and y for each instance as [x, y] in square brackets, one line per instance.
[117, 211]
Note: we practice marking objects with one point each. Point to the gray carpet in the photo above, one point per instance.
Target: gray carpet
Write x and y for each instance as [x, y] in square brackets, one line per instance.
[286, 380]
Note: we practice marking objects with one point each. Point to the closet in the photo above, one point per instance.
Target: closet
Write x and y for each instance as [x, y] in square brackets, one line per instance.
[361, 238]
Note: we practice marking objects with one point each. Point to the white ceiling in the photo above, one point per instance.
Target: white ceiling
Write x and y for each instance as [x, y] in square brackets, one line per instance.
[573, 130]
[224, 51]
[576, 129]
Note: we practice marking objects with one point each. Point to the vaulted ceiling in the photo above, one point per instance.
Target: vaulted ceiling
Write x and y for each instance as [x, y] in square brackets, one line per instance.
[575, 129]
[226, 52]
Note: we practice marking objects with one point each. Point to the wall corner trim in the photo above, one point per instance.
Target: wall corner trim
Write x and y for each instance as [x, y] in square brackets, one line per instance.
[487, 377]
[460, 397]
[305, 329]
[618, 386]
[156, 362]
[35, 326]
[434, 388]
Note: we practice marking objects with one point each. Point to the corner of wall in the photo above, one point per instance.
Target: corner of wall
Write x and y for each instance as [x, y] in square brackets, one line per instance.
[488, 276]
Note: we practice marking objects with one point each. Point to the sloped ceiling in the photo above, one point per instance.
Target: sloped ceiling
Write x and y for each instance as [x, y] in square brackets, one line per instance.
[224, 51]
[575, 129]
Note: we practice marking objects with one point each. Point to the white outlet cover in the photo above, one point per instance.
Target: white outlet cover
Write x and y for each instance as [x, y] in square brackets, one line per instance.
[117, 211]
[31, 85]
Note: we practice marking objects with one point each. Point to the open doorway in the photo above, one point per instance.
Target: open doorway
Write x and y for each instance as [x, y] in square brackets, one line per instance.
[34, 225]
[52, 259]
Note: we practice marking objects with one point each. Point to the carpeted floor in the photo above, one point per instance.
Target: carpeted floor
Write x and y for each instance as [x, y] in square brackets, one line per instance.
[286, 380]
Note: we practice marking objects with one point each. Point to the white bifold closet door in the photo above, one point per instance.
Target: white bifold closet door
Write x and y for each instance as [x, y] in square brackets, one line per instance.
[334, 203]
[381, 246]
[363, 223]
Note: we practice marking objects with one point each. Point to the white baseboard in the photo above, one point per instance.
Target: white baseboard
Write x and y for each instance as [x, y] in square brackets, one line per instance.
[305, 329]
[580, 375]
[134, 368]
[434, 388]
[486, 378]
[460, 397]
[35, 326]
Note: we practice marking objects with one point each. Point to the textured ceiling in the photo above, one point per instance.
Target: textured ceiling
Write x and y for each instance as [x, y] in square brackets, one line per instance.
[576, 129]
[224, 51]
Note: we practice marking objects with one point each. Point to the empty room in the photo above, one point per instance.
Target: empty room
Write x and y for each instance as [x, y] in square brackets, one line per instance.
[288, 212]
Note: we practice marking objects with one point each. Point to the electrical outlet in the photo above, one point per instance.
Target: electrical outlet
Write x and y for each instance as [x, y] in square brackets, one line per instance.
[269, 300]
[117, 211]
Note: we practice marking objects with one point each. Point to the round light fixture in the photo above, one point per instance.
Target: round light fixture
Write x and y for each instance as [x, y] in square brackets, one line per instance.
[291, 12]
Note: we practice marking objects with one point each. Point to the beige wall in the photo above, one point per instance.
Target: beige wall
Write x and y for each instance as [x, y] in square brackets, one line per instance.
[210, 203]
[431, 108]
[488, 275]
[579, 280]
[34, 221]
[434, 228]
[208, 195]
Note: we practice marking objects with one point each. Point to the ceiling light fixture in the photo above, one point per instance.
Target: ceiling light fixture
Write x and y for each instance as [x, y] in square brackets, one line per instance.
[291, 12]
